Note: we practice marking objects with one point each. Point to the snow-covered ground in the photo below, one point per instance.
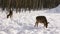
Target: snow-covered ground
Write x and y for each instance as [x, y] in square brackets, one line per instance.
[23, 23]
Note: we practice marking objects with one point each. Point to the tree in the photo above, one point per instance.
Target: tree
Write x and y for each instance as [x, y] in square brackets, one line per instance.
[10, 5]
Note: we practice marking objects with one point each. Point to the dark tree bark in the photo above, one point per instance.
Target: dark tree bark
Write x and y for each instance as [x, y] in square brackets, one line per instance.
[28, 4]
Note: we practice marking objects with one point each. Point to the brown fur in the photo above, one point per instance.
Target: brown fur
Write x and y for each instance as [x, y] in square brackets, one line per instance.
[41, 19]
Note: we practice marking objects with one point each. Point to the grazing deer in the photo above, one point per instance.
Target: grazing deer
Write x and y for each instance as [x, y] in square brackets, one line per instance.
[41, 19]
[10, 14]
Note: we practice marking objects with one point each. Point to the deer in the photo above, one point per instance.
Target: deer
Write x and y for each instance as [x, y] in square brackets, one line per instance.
[41, 19]
[10, 9]
[10, 14]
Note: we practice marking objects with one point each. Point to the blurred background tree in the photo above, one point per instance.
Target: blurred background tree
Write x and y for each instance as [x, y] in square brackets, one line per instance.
[17, 5]
[28, 4]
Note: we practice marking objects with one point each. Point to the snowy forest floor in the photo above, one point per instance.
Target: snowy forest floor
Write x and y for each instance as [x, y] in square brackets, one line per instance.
[23, 23]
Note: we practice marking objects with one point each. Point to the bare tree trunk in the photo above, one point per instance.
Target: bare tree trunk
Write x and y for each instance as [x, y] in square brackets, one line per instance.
[17, 5]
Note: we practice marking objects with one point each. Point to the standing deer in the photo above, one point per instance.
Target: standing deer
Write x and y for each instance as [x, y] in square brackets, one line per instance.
[41, 19]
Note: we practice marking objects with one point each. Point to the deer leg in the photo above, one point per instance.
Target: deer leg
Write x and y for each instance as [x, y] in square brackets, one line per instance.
[8, 16]
[36, 24]
[45, 24]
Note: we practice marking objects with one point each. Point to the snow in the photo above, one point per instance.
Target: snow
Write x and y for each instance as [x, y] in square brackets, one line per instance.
[54, 10]
[23, 23]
